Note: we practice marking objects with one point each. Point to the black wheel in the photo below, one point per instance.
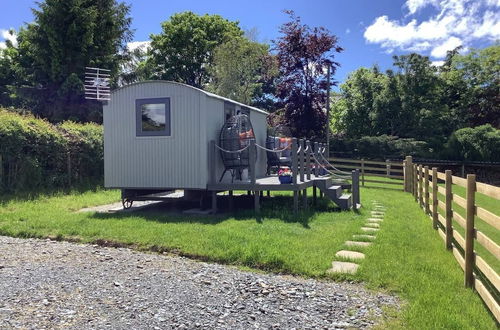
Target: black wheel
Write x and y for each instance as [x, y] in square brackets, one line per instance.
[127, 203]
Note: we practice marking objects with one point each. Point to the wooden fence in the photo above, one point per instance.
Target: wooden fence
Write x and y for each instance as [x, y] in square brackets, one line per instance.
[452, 214]
[369, 169]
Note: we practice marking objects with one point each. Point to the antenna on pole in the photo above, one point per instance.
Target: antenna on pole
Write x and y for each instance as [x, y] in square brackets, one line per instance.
[97, 84]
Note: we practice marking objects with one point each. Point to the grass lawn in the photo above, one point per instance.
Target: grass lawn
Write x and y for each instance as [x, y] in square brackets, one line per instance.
[408, 257]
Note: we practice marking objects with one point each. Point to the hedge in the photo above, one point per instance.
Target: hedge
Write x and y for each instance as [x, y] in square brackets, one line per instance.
[36, 154]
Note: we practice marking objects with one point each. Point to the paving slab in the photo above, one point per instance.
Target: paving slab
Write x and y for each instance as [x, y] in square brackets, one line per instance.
[363, 236]
[375, 219]
[372, 225]
[358, 244]
[343, 267]
[368, 229]
[350, 254]
[378, 216]
[378, 212]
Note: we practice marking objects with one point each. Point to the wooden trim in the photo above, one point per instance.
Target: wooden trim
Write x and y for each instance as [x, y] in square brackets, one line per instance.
[488, 190]
[458, 256]
[487, 298]
[386, 182]
[459, 238]
[442, 220]
[488, 217]
[488, 272]
[459, 181]
[460, 201]
[488, 244]
[442, 205]
[380, 169]
[459, 219]
[348, 160]
[398, 177]
[469, 230]
[441, 190]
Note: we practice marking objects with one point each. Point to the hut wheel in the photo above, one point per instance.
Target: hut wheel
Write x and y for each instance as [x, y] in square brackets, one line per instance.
[127, 203]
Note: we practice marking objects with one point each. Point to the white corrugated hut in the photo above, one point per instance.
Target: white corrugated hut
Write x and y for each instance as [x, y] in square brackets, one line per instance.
[157, 135]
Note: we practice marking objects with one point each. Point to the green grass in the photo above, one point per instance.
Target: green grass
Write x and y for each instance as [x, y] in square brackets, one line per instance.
[408, 257]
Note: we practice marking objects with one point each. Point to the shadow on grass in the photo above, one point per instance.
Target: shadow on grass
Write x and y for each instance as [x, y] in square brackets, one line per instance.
[276, 207]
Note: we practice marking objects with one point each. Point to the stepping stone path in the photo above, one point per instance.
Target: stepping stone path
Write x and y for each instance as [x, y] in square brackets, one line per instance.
[371, 228]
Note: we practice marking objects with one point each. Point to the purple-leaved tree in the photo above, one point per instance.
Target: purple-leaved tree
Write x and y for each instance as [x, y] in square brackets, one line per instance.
[303, 54]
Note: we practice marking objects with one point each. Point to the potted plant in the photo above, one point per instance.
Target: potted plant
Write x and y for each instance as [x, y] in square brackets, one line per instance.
[285, 175]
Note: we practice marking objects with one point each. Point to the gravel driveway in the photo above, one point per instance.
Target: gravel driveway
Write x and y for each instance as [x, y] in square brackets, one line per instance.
[47, 284]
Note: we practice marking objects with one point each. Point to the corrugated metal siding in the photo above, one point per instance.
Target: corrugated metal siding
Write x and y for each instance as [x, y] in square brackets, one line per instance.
[154, 162]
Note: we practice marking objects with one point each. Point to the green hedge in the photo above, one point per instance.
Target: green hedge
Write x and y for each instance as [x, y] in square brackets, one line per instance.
[38, 155]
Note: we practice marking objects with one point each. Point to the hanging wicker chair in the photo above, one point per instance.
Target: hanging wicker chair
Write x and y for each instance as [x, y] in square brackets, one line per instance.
[235, 135]
[278, 138]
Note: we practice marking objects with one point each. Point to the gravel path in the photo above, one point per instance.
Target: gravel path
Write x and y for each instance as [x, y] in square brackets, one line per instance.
[47, 284]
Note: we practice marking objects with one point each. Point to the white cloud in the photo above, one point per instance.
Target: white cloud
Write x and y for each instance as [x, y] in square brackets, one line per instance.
[450, 44]
[347, 31]
[437, 63]
[143, 45]
[455, 20]
[415, 5]
[6, 35]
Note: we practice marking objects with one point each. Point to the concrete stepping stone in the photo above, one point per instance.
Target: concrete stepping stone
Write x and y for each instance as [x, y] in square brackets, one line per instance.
[343, 267]
[350, 254]
[357, 244]
[369, 230]
[372, 225]
[375, 219]
[378, 212]
[379, 216]
[361, 236]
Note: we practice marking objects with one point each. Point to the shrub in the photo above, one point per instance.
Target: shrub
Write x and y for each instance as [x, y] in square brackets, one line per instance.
[481, 143]
[35, 153]
[379, 147]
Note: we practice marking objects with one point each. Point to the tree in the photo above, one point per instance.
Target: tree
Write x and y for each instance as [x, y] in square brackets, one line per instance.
[240, 69]
[184, 50]
[65, 37]
[477, 74]
[303, 53]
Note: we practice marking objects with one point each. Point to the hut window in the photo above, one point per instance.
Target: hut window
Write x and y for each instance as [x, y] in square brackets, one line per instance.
[153, 117]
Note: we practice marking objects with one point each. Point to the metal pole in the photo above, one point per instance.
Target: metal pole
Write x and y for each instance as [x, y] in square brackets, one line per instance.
[328, 112]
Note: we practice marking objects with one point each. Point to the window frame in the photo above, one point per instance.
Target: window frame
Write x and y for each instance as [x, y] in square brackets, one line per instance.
[138, 117]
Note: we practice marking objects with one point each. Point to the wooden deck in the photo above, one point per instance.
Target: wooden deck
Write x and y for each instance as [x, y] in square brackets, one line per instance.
[265, 183]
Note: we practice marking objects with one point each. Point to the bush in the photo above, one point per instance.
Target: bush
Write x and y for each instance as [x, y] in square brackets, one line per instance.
[35, 153]
[378, 147]
[481, 143]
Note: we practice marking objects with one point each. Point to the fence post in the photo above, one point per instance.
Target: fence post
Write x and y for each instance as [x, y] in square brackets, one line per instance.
[308, 160]
[434, 198]
[449, 211]
[407, 173]
[426, 189]
[421, 186]
[415, 182]
[355, 189]
[294, 175]
[301, 159]
[363, 172]
[388, 167]
[469, 230]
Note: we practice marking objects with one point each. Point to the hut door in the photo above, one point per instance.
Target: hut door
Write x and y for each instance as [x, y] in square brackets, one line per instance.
[229, 110]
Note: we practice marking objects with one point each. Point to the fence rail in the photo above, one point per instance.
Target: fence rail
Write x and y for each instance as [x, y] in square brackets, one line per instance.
[369, 168]
[434, 192]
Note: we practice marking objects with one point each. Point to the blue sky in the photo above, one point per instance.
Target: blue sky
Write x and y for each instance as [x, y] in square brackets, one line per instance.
[370, 31]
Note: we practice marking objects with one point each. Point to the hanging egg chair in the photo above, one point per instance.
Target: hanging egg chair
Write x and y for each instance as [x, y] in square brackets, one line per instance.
[234, 139]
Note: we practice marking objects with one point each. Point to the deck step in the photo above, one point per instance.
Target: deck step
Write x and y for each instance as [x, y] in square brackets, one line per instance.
[335, 190]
